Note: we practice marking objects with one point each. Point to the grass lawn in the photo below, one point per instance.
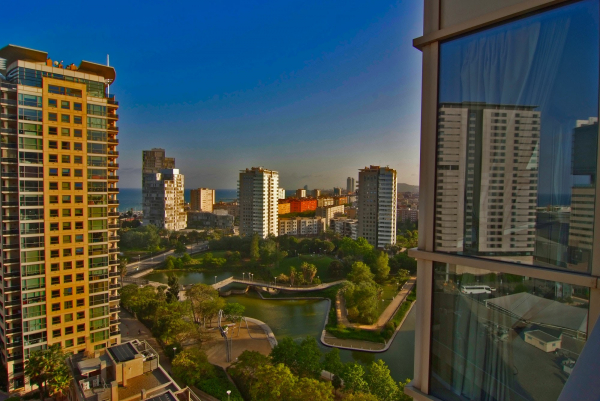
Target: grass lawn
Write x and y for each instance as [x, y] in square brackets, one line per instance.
[389, 291]
[321, 262]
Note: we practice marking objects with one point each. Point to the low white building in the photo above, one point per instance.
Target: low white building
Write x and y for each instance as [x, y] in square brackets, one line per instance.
[345, 227]
[329, 212]
[301, 226]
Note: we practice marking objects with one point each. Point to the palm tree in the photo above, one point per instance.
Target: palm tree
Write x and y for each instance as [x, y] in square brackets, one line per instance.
[61, 382]
[36, 370]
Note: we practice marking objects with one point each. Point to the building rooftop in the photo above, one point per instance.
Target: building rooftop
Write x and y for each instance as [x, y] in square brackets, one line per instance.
[123, 352]
[14, 53]
[542, 336]
[149, 381]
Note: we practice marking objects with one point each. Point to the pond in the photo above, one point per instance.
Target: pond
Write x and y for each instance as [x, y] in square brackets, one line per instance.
[298, 319]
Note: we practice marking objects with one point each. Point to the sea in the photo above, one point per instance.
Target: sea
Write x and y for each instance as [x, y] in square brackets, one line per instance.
[131, 198]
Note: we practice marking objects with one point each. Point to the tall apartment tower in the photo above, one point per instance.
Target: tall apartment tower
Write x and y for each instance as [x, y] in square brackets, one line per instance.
[59, 204]
[487, 174]
[350, 185]
[164, 204]
[258, 197]
[153, 162]
[583, 195]
[301, 193]
[202, 199]
[281, 193]
[377, 205]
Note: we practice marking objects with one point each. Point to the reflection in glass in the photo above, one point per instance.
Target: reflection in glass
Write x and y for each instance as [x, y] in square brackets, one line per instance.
[517, 140]
[503, 337]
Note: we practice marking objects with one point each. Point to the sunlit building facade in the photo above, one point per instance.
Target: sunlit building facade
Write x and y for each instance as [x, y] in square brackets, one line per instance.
[59, 205]
[259, 203]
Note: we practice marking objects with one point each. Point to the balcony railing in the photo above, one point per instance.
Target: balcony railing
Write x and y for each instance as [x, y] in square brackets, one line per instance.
[8, 116]
[115, 333]
[113, 202]
[10, 218]
[114, 297]
[11, 131]
[8, 102]
[14, 357]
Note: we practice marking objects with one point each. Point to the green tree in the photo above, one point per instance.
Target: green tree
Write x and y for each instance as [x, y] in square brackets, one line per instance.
[173, 290]
[180, 248]
[273, 383]
[401, 396]
[122, 269]
[191, 365]
[308, 358]
[254, 248]
[293, 275]
[60, 383]
[169, 264]
[378, 262]
[361, 301]
[311, 389]
[246, 366]
[360, 397]
[186, 258]
[380, 382]
[309, 271]
[332, 362]
[336, 268]
[353, 375]
[44, 367]
[328, 246]
[234, 312]
[205, 302]
[285, 352]
[360, 272]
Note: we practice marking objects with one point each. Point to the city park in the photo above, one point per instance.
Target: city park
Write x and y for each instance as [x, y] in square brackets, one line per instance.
[336, 296]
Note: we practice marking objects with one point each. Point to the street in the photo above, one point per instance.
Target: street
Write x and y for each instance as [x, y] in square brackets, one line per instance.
[136, 267]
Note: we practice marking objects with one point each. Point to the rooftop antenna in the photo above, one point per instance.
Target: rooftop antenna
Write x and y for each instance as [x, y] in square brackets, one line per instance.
[108, 81]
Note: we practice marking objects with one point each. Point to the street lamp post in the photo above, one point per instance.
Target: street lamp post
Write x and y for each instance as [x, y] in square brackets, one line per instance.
[275, 281]
[228, 394]
[215, 279]
[243, 275]
[174, 349]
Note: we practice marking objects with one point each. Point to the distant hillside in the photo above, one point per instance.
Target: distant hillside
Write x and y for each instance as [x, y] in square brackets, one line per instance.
[402, 187]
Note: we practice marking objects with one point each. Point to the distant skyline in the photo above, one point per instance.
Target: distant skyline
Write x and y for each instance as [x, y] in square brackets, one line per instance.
[315, 91]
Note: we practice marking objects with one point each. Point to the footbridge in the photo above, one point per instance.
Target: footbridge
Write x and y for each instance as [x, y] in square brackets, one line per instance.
[274, 285]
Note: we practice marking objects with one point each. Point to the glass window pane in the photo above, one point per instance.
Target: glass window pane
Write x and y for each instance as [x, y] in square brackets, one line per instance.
[517, 140]
[503, 337]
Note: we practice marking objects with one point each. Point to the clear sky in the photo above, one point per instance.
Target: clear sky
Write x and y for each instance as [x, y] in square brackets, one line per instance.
[312, 89]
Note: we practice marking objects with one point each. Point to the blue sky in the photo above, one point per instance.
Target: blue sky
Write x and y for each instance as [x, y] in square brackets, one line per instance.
[315, 90]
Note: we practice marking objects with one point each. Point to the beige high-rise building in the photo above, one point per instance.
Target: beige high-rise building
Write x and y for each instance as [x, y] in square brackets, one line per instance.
[301, 193]
[165, 204]
[377, 205]
[59, 205]
[153, 162]
[258, 195]
[492, 209]
[202, 199]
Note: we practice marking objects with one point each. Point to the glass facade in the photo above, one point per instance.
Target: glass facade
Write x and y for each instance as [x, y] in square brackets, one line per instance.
[503, 337]
[517, 140]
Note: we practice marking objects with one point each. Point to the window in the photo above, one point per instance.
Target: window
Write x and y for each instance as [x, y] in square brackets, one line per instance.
[68, 331]
[53, 158]
[67, 292]
[56, 320]
[68, 304]
[80, 315]
[78, 160]
[77, 146]
[64, 104]
[78, 198]
[77, 106]
[52, 131]
[53, 172]
[80, 303]
[65, 132]
[69, 343]
[66, 172]
[53, 212]
[79, 264]
[54, 241]
[65, 145]
[66, 186]
[77, 120]
[77, 132]
[66, 239]
[53, 186]
[66, 199]
[65, 159]
[66, 225]
[52, 145]
[67, 265]
[53, 226]
[56, 333]
[65, 118]
[55, 293]
[52, 103]
[79, 225]
[68, 317]
[67, 252]
[486, 73]
[471, 327]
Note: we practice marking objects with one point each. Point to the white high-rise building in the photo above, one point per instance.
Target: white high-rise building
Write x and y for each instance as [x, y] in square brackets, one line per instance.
[202, 199]
[281, 193]
[165, 206]
[258, 194]
[487, 179]
[377, 205]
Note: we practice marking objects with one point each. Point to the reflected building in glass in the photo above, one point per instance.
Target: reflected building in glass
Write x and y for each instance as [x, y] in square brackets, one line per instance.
[486, 189]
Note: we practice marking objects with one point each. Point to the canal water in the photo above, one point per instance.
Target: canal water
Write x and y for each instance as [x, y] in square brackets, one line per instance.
[298, 319]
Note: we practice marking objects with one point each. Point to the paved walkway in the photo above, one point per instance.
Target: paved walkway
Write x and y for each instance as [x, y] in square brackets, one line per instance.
[386, 315]
[134, 268]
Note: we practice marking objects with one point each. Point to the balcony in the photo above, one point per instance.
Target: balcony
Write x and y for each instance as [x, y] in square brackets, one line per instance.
[113, 116]
[8, 160]
[13, 273]
[113, 190]
[9, 232]
[11, 246]
[14, 357]
[115, 321]
[113, 141]
[12, 260]
[8, 145]
[6, 85]
[115, 286]
[113, 226]
[112, 165]
[14, 344]
[113, 274]
[10, 188]
[114, 238]
[8, 102]
[114, 309]
[13, 288]
[8, 116]
[15, 302]
[113, 214]
[114, 262]
[114, 297]
[13, 330]
[13, 316]
[112, 101]
[10, 218]
[110, 128]
[10, 131]
[113, 250]
[115, 333]
[113, 177]
[113, 202]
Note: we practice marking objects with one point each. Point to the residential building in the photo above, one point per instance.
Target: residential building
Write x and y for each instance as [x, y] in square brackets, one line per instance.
[329, 212]
[258, 197]
[233, 208]
[350, 185]
[301, 226]
[126, 372]
[316, 193]
[508, 301]
[303, 204]
[324, 201]
[301, 193]
[281, 192]
[220, 219]
[345, 227]
[202, 199]
[409, 214]
[337, 191]
[504, 139]
[340, 200]
[284, 206]
[377, 205]
[59, 205]
[164, 204]
[153, 162]
[583, 194]
[351, 212]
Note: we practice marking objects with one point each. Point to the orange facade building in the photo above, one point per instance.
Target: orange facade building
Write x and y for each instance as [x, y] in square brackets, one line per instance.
[303, 204]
